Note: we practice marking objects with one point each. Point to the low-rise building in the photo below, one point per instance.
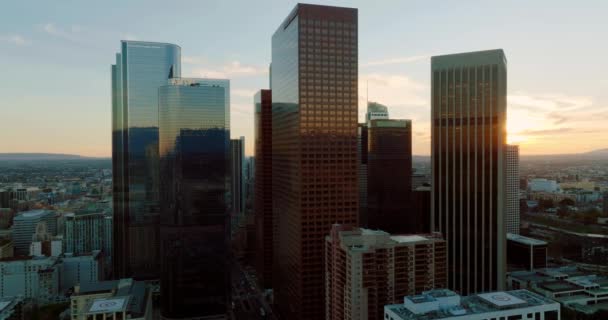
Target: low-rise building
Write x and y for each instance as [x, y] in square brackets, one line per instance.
[447, 305]
[572, 287]
[525, 253]
[112, 300]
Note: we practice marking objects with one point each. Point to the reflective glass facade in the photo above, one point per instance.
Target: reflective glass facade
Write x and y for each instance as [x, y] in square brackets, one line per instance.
[389, 180]
[314, 84]
[194, 144]
[468, 140]
[263, 186]
[140, 69]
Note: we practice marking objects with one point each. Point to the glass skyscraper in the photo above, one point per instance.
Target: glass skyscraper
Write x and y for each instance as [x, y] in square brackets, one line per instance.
[140, 69]
[468, 116]
[194, 154]
[314, 83]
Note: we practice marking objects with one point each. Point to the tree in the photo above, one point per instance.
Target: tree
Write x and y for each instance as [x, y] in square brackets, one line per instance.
[566, 202]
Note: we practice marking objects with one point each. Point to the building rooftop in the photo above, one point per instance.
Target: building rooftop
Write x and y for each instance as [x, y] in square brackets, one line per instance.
[525, 240]
[126, 295]
[447, 304]
[32, 214]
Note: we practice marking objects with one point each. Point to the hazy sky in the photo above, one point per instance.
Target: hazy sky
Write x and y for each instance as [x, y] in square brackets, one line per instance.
[55, 58]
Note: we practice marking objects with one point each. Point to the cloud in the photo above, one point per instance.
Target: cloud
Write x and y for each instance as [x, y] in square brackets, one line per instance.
[398, 60]
[194, 60]
[245, 93]
[233, 69]
[64, 33]
[15, 39]
[128, 36]
[393, 90]
[549, 102]
[546, 132]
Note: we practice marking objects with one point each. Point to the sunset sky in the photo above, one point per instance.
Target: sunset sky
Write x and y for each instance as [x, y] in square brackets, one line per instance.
[55, 58]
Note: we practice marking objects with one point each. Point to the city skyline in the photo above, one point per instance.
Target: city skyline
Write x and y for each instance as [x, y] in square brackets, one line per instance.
[554, 114]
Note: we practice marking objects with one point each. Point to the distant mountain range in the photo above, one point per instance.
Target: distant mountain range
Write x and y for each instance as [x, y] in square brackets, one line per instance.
[595, 155]
[42, 156]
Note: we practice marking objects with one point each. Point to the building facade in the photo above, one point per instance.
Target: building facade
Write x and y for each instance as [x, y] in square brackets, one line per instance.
[84, 232]
[468, 117]
[512, 178]
[314, 83]
[265, 232]
[237, 172]
[24, 228]
[140, 69]
[389, 177]
[367, 269]
[525, 253]
[194, 153]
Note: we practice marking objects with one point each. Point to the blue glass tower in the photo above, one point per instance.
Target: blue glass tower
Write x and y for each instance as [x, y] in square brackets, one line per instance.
[140, 69]
[194, 150]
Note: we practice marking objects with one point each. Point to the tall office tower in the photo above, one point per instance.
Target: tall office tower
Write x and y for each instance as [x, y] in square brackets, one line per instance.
[368, 269]
[468, 112]
[84, 232]
[374, 111]
[512, 202]
[265, 231]
[237, 147]
[389, 177]
[314, 147]
[140, 69]
[362, 171]
[194, 149]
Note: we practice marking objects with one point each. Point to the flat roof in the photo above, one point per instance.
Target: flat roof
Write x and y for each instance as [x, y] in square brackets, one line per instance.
[477, 304]
[525, 240]
[115, 304]
[408, 238]
[32, 214]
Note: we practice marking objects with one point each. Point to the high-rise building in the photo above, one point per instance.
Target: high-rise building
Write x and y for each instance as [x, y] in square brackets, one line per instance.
[389, 177]
[84, 232]
[368, 269]
[362, 171]
[24, 227]
[140, 69]
[468, 115]
[374, 111]
[265, 231]
[512, 189]
[194, 149]
[237, 172]
[314, 82]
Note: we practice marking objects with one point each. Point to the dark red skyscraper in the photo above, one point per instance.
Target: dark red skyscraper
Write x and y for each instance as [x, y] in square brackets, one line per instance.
[263, 186]
[314, 148]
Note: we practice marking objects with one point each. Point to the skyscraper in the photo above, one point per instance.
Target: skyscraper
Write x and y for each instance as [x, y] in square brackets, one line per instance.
[512, 202]
[368, 269]
[389, 177]
[314, 86]
[468, 114]
[140, 69]
[237, 191]
[374, 111]
[194, 149]
[263, 186]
